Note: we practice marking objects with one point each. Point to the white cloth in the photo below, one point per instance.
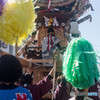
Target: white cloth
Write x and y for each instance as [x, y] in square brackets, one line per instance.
[74, 27]
[48, 54]
[46, 21]
[55, 22]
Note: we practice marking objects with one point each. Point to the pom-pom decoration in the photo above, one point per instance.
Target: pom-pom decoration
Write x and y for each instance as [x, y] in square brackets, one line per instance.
[80, 64]
[17, 20]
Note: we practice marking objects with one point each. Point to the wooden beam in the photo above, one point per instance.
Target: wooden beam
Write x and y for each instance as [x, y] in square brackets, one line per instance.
[54, 4]
[42, 69]
[23, 47]
[22, 61]
[54, 14]
[84, 19]
[40, 61]
[2, 52]
[25, 62]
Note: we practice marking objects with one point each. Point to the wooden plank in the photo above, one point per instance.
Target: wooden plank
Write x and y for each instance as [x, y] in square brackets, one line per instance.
[40, 61]
[59, 15]
[84, 19]
[35, 77]
[23, 47]
[42, 69]
[2, 52]
[27, 43]
[25, 62]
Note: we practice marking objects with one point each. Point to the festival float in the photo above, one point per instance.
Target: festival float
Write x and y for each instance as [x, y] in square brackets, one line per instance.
[51, 26]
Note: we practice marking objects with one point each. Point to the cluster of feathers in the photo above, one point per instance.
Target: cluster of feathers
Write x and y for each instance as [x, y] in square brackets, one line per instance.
[17, 20]
[80, 64]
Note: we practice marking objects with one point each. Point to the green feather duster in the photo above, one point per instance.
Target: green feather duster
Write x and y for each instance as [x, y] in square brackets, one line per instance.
[80, 64]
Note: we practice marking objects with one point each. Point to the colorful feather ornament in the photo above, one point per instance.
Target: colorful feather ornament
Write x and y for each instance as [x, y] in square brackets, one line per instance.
[17, 20]
[80, 64]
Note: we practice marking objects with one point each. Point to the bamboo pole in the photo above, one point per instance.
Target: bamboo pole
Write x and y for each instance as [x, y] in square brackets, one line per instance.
[54, 75]
[23, 47]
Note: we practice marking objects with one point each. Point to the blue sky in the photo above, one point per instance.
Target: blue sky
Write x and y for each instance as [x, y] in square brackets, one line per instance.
[91, 30]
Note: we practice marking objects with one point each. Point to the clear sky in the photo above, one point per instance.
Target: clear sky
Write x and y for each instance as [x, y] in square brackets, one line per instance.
[90, 30]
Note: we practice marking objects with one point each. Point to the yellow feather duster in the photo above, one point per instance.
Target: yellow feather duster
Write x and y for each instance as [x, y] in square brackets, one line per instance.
[17, 20]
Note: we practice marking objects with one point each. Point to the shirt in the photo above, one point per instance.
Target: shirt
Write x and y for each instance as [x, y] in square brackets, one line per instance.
[15, 93]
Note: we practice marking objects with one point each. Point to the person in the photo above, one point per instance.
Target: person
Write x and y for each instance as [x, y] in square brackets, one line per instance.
[62, 91]
[80, 67]
[95, 89]
[10, 72]
[39, 89]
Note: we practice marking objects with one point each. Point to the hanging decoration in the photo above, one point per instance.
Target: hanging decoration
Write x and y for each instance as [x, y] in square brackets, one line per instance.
[80, 64]
[55, 22]
[46, 21]
[17, 20]
[49, 4]
[74, 27]
[51, 21]
[49, 8]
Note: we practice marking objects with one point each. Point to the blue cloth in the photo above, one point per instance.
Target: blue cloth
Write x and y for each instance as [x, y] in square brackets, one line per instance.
[17, 93]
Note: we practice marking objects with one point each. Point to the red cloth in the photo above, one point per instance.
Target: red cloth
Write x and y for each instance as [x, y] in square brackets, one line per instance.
[40, 89]
[51, 41]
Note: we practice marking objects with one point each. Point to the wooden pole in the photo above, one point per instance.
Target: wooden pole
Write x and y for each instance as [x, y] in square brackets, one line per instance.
[20, 51]
[54, 78]
[16, 46]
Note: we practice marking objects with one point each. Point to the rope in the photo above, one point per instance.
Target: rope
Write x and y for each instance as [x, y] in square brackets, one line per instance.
[30, 63]
[76, 3]
[48, 8]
